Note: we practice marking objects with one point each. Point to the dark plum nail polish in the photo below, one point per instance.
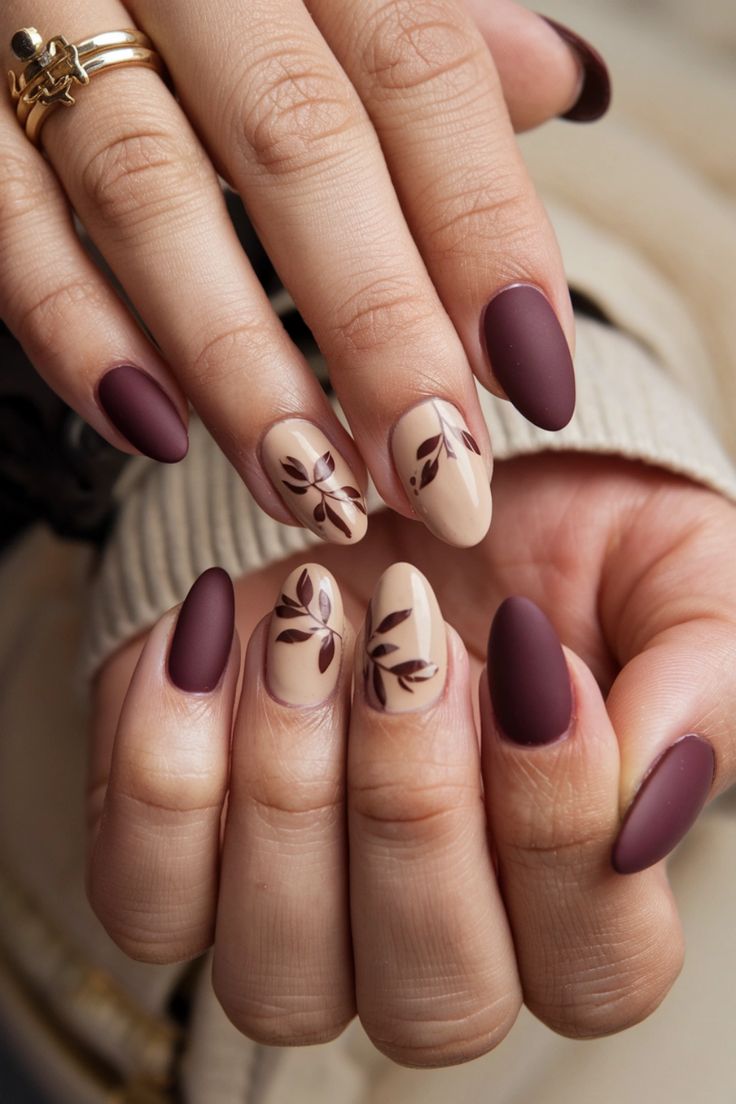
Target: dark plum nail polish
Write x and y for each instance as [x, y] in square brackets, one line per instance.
[666, 805]
[142, 411]
[204, 633]
[595, 95]
[529, 355]
[527, 675]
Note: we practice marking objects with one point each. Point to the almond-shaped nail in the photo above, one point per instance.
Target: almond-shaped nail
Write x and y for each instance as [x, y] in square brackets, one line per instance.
[405, 648]
[443, 472]
[314, 481]
[305, 638]
[203, 635]
[594, 97]
[529, 355]
[527, 675]
[666, 805]
[141, 410]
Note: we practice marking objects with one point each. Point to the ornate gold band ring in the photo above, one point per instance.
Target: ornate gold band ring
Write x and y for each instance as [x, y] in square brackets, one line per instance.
[53, 69]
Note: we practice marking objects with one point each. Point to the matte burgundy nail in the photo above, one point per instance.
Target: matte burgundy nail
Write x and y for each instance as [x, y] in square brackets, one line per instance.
[204, 633]
[595, 95]
[527, 674]
[666, 805]
[529, 355]
[142, 411]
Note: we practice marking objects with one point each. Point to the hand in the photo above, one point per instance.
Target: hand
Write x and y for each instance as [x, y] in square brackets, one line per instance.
[374, 149]
[432, 945]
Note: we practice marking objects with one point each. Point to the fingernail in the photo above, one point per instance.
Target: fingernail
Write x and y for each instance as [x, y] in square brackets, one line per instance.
[529, 355]
[666, 805]
[204, 633]
[142, 411]
[527, 675]
[443, 472]
[594, 97]
[314, 481]
[305, 638]
[405, 658]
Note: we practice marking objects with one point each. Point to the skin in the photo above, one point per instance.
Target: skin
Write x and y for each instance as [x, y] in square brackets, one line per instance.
[463, 902]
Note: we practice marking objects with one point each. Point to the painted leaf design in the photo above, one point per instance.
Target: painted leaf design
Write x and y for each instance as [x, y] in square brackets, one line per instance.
[319, 512]
[428, 446]
[405, 685]
[411, 666]
[369, 621]
[295, 473]
[326, 653]
[302, 472]
[289, 601]
[288, 611]
[392, 620]
[304, 588]
[323, 468]
[425, 676]
[383, 650]
[379, 687]
[470, 442]
[429, 472]
[350, 492]
[292, 636]
[325, 605]
[294, 488]
[361, 507]
[337, 521]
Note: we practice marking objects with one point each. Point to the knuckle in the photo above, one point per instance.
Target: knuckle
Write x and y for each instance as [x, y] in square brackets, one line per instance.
[423, 1043]
[282, 801]
[272, 1023]
[135, 931]
[417, 42]
[404, 811]
[38, 319]
[222, 352]
[386, 311]
[475, 208]
[24, 188]
[138, 176]
[298, 111]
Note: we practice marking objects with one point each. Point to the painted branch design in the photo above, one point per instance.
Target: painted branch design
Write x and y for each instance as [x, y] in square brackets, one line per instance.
[299, 483]
[406, 672]
[291, 608]
[430, 450]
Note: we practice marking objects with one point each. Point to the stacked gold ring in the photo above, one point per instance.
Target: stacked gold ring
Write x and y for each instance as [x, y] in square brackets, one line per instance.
[55, 70]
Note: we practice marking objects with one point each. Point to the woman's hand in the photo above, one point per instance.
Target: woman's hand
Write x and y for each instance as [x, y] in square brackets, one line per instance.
[459, 900]
[373, 146]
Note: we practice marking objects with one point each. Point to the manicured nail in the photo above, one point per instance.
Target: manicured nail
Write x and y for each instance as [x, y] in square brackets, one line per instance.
[529, 355]
[305, 638]
[314, 481]
[666, 805]
[142, 411]
[405, 659]
[444, 475]
[594, 97]
[204, 633]
[527, 675]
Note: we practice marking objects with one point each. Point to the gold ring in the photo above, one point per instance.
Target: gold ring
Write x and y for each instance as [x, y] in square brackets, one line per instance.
[53, 70]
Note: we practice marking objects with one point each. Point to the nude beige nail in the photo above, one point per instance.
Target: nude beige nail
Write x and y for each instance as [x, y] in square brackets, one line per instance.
[305, 636]
[443, 472]
[405, 659]
[314, 481]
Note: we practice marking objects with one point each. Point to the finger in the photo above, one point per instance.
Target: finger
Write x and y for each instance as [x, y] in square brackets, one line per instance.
[596, 953]
[283, 966]
[435, 976]
[546, 69]
[673, 629]
[73, 327]
[150, 199]
[152, 873]
[293, 136]
[430, 86]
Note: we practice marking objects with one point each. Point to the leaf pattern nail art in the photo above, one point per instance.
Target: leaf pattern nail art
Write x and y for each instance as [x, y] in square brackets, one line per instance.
[300, 607]
[323, 469]
[430, 450]
[405, 672]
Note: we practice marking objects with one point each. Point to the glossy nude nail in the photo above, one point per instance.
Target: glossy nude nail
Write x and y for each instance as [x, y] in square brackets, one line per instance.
[305, 638]
[443, 472]
[666, 805]
[405, 648]
[204, 633]
[529, 355]
[314, 481]
[594, 97]
[527, 675]
[142, 411]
